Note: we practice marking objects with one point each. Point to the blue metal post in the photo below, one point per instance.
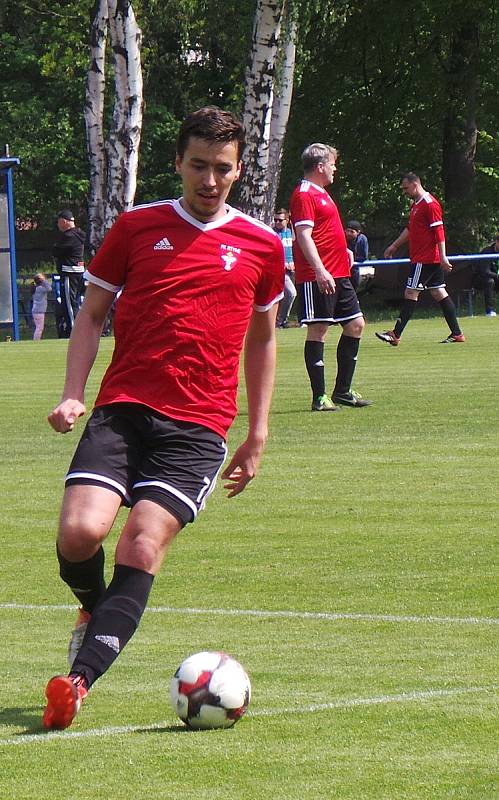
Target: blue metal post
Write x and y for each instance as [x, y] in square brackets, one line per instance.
[12, 247]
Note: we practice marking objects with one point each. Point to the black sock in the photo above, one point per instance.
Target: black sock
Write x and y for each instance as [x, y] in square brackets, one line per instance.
[406, 313]
[449, 312]
[113, 622]
[84, 578]
[314, 361]
[346, 357]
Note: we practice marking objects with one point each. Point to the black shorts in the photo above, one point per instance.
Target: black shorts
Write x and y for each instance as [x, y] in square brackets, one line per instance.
[425, 276]
[314, 306]
[141, 454]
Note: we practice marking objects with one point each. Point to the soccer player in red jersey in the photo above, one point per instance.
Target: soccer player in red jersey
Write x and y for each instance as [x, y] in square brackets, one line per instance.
[322, 274]
[426, 236]
[196, 278]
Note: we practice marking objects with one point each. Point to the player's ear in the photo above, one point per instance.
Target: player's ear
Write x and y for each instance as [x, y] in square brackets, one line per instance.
[178, 162]
[239, 170]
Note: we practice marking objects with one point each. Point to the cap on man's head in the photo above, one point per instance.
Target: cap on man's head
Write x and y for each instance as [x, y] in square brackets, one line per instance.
[354, 225]
[66, 213]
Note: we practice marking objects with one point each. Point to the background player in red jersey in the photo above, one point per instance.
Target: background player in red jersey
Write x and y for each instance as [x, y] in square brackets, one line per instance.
[196, 279]
[426, 236]
[322, 273]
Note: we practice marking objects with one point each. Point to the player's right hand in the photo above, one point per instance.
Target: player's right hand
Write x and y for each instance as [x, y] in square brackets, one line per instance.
[62, 419]
[325, 281]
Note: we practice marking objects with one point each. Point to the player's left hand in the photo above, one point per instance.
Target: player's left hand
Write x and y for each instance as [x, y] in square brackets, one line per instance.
[446, 265]
[242, 468]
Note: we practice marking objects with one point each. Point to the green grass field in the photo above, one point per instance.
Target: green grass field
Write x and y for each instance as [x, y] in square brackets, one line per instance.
[355, 579]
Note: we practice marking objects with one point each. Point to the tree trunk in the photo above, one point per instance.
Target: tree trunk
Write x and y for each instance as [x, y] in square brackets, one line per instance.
[257, 113]
[460, 131]
[94, 121]
[124, 137]
[280, 112]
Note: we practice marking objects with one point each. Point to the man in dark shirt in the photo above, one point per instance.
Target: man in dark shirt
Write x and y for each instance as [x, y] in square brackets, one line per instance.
[68, 254]
[358, 244]
[487, 278]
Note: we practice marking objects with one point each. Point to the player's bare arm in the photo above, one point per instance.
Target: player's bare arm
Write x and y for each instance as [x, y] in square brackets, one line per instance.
[82, 350]
[444, 261]
[259, 370]
[399, 241]
[325, 280]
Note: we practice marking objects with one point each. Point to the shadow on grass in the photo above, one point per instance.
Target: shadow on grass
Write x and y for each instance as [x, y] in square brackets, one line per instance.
[30, 716]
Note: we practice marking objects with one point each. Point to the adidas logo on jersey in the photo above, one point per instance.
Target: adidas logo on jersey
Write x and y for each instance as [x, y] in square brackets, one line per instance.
[163, 244]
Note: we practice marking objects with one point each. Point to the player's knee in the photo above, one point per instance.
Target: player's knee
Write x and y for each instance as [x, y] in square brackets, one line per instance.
[144, 550]
[355, 327]
[79, 536]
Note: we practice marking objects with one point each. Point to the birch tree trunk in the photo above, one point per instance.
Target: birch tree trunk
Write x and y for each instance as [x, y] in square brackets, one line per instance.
[257, 113]
[124, 137]
[94, 122]
[280, 110]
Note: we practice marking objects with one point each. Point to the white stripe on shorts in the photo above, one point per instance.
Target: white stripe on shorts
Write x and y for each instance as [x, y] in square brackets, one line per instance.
[309, 300]
[101, 479]
[170, 490]
[414, 282]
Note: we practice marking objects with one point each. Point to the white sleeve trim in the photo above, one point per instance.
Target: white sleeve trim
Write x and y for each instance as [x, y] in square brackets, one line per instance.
[435, 224]
[269, 305]
[309, 222]
[103, 284]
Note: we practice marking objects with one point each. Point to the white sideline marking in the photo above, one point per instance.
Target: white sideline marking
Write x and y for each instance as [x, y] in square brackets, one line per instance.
[353, 702]
[249, 612]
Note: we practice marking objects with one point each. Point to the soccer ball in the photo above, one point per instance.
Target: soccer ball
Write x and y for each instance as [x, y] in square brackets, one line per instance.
[210, 690]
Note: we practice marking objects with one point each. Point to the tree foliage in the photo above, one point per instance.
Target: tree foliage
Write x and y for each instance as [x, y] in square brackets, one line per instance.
[395, 86]
[376, 82]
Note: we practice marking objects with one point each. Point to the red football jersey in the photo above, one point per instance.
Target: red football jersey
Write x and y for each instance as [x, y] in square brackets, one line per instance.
[311, 205]
[188, 292]
[426, 229]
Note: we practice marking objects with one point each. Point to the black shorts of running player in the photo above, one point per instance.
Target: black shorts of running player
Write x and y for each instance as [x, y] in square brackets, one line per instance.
[314, 306]
[425, 276]
[141, 454]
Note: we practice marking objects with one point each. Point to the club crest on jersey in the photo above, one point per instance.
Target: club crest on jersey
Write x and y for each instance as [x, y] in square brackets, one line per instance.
[229, 254]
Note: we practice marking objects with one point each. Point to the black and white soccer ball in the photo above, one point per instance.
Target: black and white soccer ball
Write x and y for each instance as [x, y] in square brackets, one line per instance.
[210, 690]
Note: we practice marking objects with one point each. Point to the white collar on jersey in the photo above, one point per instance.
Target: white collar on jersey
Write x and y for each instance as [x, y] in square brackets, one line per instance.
[204, 226]
[315, 185]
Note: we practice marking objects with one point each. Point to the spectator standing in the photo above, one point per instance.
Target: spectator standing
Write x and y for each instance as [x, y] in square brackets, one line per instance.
[486, 277]
[322, 268]
[281, 227]
[200, 281]
[68, 254]
[426, 236]
[357, 242]
[42, 289]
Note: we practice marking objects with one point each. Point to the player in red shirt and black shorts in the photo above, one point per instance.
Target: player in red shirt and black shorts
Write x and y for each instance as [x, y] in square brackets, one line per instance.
[426, 236]
[322, 275]
[196, 279]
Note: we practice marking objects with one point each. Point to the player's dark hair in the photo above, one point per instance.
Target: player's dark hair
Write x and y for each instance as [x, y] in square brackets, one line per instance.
[411, 177]
[212, 124]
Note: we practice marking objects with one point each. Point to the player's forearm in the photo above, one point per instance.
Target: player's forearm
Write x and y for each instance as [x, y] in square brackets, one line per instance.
[309, 249]
[400, 240]
[442, 250]
[259, 370]
[82, 351]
